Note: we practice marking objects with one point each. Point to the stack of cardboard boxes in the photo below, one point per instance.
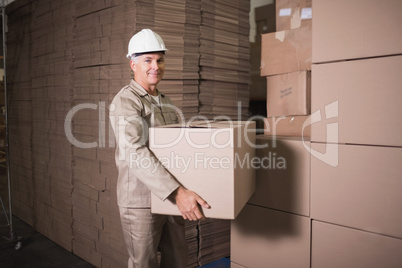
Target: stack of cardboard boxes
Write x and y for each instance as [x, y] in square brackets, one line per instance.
[332, 201]
[286, 62]
[356, 89]
[273, 230]
[274, 227]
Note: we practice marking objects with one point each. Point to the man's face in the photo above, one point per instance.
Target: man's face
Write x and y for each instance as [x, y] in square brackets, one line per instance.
[149, 69]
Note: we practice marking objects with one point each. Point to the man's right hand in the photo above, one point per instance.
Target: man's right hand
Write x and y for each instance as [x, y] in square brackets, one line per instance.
[188, 203]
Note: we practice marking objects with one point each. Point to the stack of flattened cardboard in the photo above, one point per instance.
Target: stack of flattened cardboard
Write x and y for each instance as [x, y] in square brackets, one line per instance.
[100, 70]
[214, 240]
[51, 151]
[3, 157]
[20, 111]
[224, 58]
[178, 23]
[46, 99]
[191, 232]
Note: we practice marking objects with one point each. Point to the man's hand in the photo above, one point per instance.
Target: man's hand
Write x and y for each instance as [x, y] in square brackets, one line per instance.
[188, 203]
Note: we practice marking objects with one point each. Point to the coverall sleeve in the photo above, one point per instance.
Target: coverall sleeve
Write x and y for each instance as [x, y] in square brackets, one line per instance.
[132, 142]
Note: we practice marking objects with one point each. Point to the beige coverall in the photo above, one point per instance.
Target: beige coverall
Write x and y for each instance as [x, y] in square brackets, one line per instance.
[132, 112]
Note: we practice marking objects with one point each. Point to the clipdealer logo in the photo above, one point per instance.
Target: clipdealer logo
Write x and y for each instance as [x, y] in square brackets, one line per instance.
[331, 154]
[119, 124]
[201, 160]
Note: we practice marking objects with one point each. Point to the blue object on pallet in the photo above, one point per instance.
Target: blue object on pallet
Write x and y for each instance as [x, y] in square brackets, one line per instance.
[221, 263]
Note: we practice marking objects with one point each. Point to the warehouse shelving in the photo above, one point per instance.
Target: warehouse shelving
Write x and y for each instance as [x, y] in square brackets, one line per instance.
[11, 237]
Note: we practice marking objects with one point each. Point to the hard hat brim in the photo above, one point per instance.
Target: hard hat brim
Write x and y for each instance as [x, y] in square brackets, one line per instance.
[147, 52]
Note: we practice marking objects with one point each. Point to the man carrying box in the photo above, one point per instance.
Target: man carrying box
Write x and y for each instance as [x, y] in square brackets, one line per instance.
[134, 109]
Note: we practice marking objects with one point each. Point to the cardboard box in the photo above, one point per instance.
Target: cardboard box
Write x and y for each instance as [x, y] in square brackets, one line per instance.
[283, 181]
[262, 237]
[295, 126]
[361, 101]
[219, 164]
[289, 94]
[362, 192]
[291, 14]
[345, 29]
[286, 51]
[338, 246]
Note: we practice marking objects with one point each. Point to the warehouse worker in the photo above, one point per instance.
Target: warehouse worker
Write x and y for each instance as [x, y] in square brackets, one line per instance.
[133, 109]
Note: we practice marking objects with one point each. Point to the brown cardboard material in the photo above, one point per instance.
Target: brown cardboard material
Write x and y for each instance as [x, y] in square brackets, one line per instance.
[84, 229]
[289, 94]
[214, 240]
[85, 248]
[235, 265]
[284, 184]
[337, 246]
[362, 97]
[362, 192]
[291, 14]
[295, 126]
[286, 51]
[356, 29]
[61, 233]
[218, 164]
[262, 237]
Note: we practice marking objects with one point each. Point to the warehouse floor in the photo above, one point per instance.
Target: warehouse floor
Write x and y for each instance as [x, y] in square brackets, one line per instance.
[39, 251]
[36, 250]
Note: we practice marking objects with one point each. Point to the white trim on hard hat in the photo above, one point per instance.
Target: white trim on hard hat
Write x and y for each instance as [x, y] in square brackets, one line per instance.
[145, 41]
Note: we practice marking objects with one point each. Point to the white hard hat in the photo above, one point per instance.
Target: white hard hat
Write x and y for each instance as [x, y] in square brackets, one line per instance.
[145, 41]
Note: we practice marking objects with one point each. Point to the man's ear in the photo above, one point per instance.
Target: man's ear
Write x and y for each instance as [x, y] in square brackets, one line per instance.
[132, 65]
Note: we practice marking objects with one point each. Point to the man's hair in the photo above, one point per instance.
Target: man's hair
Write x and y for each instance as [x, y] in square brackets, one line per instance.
[134, 58]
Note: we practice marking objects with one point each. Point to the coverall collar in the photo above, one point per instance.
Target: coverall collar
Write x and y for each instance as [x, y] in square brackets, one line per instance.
[140, 90]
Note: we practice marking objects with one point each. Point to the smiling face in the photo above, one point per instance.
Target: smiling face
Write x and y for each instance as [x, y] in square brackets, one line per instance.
[148, 70]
